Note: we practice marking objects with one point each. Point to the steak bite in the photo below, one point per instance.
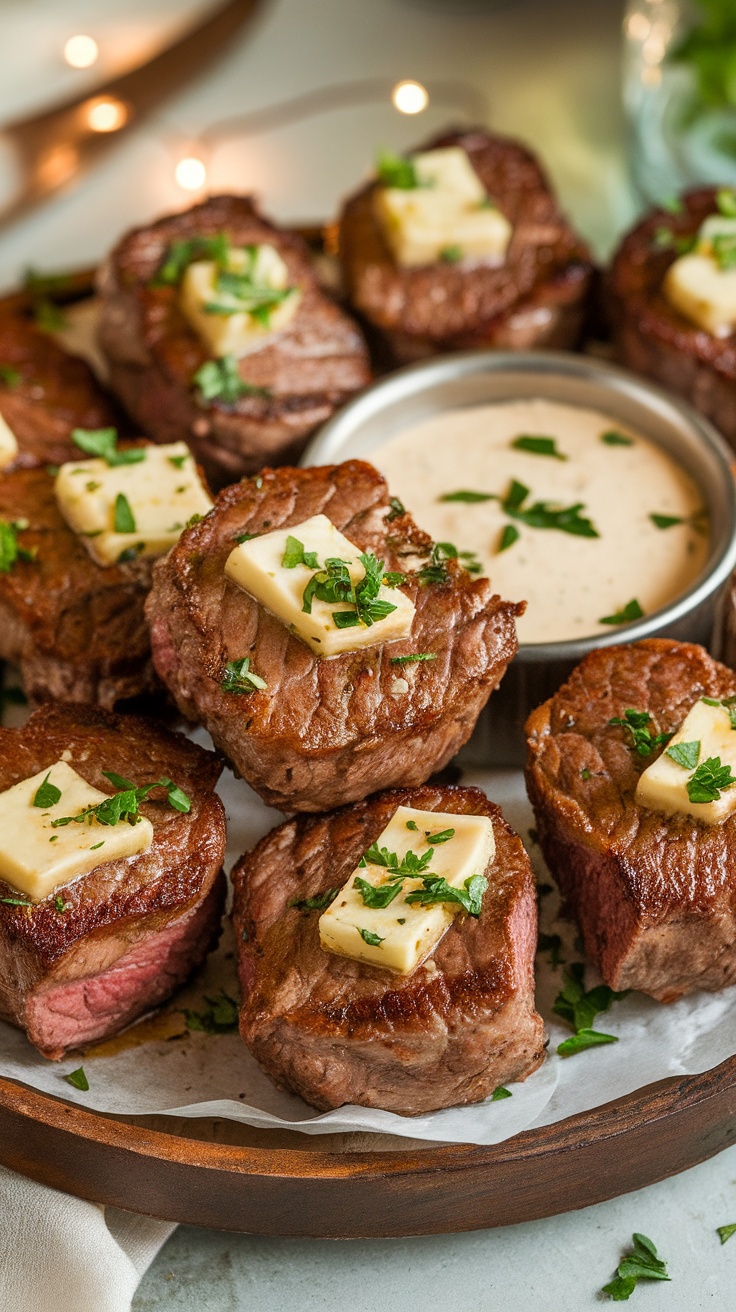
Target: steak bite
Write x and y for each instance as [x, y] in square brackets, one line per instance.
[310, 733]
[268, 402]
[335, 1030]
[654, 338]
[654, 894]
[45, 393]
[534, 296]
[111, 944]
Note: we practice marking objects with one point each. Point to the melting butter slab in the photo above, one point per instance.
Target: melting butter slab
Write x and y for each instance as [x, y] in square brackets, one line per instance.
[448, 213]
[664, 784]
[36, 858]
[8, 443]
[238, 321]
[697, 285]
[163, 491]
[408, 932]
[257, 567]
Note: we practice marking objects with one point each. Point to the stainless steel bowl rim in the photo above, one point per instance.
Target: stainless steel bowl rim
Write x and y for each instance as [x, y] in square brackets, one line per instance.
[325, 447]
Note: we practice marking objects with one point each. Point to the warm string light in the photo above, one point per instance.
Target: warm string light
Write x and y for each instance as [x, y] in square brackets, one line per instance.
[81, 51]
[105, 114]
[191, 173]
[410, 97]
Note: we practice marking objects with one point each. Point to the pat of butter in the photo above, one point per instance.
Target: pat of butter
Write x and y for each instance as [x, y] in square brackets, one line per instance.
[449, 211]
[256, 567]
[8, 443]
[663, 785]
[699, 288]
[408, 932]
[163, 491]
[238, 331]
[35, 858]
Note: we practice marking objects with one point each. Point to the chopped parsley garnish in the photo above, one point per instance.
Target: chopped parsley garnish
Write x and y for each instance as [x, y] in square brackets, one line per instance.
[373, 940]
[545, 514]
[685, 754]
[728, 704]
[414, 657]
[125, 804]
[509, 535]
[709, 781]
[538, 446]
[240, 678]
[377, 895]
[46, 794]
[698, 521]
[396, 509]
[443, 836]
[124, 519]
[585, 773]
[10, 550]
[178, 461]
[220, 380]
[9, 375]
[16, 901]
[666, 521]
[580, 1009]
[60, 905]
[637, 724]
[333, 585]
[726, 202]
[468, 496]
[103, 443]
[436, 571]
[95, 846]
[666, 240]
[77, 1079]
[725, 1232]
[412, 824]
[129, 553]
[319, 902]
[723, 245]
[451, 254]
[500, 1093]
[296, 555]
[396, 171]
[643, 1263]
[630, 612]
[409, 866]
[219, 1017]
[435, 888]
[613, 438]
[180, 254]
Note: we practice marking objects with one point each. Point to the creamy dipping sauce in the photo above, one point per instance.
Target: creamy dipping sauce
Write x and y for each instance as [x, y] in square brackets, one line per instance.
[571, 582]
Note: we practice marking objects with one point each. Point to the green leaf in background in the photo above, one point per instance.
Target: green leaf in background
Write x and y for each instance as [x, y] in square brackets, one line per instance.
[642, 1263]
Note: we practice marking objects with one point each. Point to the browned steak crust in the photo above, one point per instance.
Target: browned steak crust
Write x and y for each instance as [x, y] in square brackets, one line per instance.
[330, 731]
[538, 297]
[654, 896]
[45, 393]
[651, 336]
[77, 631]
[338, 1031]
[311, 367]
[110, 911]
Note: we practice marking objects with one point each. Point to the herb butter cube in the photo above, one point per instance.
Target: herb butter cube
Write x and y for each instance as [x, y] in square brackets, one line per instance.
[449, 209]
[8, 444]
[248, 317]
[703, 293]
[35, 858]
[408, 932]
[257, 567]
[664, 784]
[162, 492]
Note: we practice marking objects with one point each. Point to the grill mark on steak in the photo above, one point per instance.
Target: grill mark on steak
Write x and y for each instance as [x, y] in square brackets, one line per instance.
[651, 336]
[77, 631]
[655, 897]
[325, 731]
[115, 913]
[339, 1031]
[56, 392]
[538, 297]
[310, 368]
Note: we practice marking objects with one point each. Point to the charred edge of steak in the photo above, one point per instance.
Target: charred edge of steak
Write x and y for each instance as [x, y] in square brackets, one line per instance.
[337, 1031]
[650, 335]
[307, 370]
[538, 297]
[653, 895]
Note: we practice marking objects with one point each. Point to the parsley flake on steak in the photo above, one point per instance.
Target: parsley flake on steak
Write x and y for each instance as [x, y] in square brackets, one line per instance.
[637, 724]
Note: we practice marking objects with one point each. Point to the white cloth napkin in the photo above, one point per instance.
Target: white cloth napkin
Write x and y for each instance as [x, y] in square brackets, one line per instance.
[61, 1254]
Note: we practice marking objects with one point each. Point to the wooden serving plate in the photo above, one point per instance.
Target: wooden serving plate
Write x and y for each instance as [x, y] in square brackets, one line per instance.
[230, 1177]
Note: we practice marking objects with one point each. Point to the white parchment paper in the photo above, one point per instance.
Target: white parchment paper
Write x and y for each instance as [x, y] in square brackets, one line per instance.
[194, 1074]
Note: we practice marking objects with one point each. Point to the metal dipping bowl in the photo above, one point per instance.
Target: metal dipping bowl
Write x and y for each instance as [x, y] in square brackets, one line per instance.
[477, 377]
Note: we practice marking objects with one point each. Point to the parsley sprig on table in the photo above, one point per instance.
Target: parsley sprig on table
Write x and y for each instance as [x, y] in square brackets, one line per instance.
[637, 723]
[643, 1263]
[125, 804]
[580, 1009]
